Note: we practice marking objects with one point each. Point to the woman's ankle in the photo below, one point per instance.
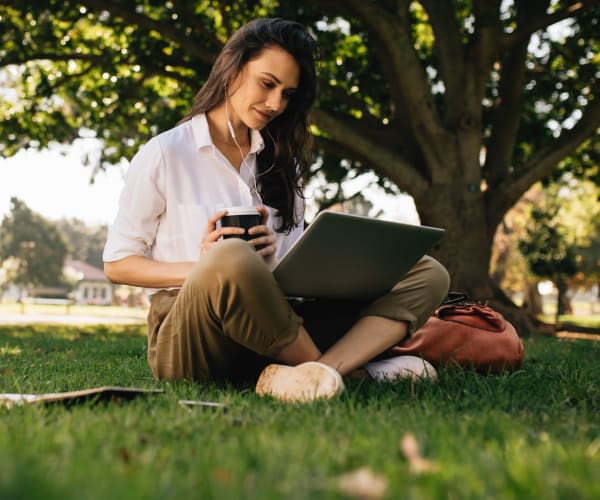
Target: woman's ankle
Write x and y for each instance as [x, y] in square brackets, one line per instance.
[358, 374]
[300, 350]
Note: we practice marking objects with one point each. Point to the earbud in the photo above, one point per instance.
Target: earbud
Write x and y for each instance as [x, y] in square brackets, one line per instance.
[230, 126]
[244, 164]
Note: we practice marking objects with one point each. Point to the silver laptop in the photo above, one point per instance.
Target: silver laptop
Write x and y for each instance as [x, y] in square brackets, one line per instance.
[352, 257]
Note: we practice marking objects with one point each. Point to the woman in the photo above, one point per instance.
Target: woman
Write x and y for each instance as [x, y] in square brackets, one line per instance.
[216, 311]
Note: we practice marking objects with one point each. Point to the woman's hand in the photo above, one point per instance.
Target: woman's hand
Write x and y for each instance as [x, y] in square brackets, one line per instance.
[213, 234]
[264, 236]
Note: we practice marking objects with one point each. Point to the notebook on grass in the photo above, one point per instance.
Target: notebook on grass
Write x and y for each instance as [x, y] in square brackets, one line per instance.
[352, 257]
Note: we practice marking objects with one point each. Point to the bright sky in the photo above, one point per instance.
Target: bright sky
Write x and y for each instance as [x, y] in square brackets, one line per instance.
[57, 185]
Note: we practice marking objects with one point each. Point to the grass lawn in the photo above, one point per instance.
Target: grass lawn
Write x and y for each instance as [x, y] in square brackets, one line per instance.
[532, 434]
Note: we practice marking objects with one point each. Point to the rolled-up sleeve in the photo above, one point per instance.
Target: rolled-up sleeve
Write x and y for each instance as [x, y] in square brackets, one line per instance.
[141, 204]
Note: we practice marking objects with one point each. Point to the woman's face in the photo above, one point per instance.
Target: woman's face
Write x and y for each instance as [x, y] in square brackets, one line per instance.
[263, 88]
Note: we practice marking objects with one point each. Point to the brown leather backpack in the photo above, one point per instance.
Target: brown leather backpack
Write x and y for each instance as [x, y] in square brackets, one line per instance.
[468, 334]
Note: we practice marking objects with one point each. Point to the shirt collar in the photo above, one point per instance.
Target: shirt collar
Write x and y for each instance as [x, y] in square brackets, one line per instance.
[202, 135]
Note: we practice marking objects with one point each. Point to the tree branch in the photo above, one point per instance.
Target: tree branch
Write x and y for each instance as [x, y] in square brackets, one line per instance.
[546, 160]
[481, 52]
[335, 148]
[342, 96]
[168, 30]
[507, 114]
[389, 163]
[408, 74]
[450, 51]
[152, 70]
[410, 93]
[183, 8]
[70, 76]
[23, 58]
[541, 21]
[96, 59]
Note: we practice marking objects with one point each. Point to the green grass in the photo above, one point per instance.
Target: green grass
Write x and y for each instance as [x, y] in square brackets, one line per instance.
[531, 434]
[586, 321]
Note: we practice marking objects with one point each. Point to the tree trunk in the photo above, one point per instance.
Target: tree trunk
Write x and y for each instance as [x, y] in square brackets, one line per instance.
[532, 302]
[465, 251]
[465, 247]
[563, 305]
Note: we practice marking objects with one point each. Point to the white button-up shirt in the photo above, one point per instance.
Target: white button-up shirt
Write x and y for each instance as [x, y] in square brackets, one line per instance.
[174, 184]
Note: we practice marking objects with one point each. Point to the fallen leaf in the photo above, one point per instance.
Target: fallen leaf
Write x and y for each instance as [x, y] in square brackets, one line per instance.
[363, 483]
[125, 455]
[410, 448]
[222, 475]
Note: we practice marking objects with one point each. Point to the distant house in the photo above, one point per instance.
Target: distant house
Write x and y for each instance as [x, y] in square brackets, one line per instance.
[92, 287]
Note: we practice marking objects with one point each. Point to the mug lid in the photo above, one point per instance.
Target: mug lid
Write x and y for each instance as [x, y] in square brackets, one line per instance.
[241, 211]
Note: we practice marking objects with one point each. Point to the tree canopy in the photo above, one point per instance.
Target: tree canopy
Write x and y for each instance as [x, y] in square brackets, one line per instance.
[84, 242]
[34, 246]
[462, 104]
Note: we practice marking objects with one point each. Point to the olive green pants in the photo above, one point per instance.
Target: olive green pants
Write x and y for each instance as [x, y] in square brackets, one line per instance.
[230, 318]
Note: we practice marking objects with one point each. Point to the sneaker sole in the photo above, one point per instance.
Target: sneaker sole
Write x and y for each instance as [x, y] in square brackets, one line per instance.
[402, 367]
[302, 383]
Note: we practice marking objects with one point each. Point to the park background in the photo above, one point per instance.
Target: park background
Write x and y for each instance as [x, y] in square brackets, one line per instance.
[477, 116]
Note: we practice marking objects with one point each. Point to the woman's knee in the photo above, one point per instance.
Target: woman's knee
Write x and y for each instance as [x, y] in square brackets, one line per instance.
[427, 276]
[437, 277]
[233, 258]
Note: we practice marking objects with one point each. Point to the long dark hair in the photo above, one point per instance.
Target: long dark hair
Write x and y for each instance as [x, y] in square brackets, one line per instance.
[283, 163]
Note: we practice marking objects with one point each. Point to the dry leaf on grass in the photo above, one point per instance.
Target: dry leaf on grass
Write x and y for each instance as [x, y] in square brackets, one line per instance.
[362, 483]
[410, 448]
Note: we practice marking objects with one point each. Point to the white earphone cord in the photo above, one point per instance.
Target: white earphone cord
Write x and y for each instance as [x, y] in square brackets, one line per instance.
[254, 186]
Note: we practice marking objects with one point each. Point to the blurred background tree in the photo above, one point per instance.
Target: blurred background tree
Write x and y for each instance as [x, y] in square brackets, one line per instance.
[551, 234]
[85, 242]
[35, 247]
[549, 254]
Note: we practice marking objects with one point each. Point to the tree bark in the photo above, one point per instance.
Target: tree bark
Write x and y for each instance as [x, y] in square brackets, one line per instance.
[563, 304]
[451, 187]
[532, 302]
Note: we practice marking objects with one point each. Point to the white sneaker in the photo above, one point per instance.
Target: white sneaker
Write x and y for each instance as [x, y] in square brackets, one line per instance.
[390, 369]
[302, 383]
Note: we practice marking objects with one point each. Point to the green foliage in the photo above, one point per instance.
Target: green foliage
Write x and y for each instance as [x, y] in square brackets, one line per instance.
[553, 228]
[559, 242]
[563, 222]
[85, 243]
[585, 164]
[127, 73]
[546, 248]
[554, 104]
[530, 434]
[589, 260]
[35, 247]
